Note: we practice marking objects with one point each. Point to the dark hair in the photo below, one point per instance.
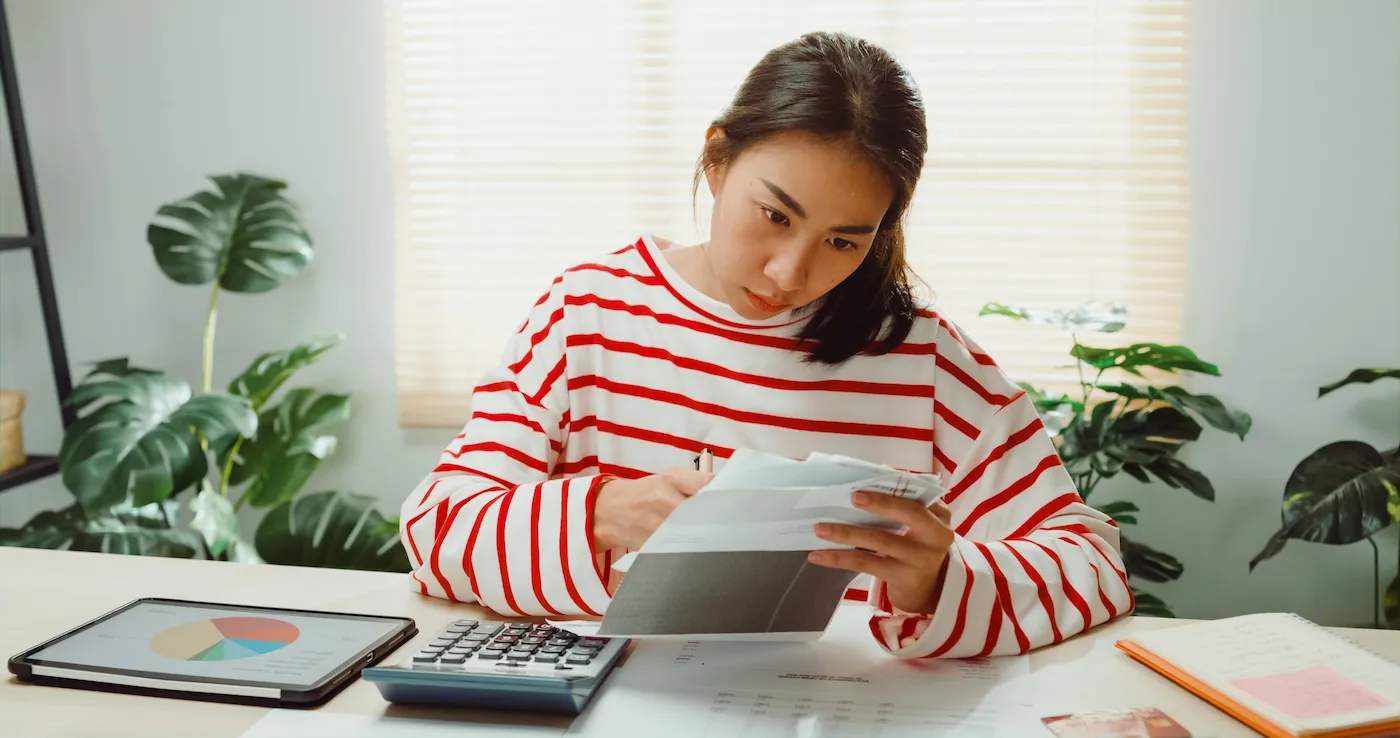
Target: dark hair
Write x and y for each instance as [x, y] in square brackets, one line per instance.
[836, 85]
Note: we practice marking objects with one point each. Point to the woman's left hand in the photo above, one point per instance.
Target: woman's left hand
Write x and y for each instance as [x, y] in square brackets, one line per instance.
[910, 563]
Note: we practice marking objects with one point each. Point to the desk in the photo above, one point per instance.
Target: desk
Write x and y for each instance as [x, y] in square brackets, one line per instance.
[47, 592]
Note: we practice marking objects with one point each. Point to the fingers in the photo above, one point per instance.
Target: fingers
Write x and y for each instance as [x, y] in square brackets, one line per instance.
[687, 481]
[930, 524]
[872, 539]
[857, 561]
[942, 512]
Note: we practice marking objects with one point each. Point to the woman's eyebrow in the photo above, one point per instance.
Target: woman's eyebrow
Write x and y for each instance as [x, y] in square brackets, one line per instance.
[854, 230]
[785, 197]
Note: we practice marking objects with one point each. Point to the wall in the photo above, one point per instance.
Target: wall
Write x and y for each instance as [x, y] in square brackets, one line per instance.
[1294, 126]
[1294, 146]
[129, 106]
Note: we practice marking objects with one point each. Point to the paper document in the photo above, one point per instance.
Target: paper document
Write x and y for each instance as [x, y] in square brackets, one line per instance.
[841, 685]
[322, 724]
[731, 561]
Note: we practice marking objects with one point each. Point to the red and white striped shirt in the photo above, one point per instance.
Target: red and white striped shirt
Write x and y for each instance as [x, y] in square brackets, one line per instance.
[624, 369]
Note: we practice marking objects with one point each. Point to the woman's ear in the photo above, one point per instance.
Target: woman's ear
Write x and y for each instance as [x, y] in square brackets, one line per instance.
[714, 175]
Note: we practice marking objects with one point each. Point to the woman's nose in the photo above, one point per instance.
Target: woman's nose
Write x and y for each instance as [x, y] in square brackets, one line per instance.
[787, 267]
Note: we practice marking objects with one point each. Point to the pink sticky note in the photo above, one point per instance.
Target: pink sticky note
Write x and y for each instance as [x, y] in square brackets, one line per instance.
[1314, 692]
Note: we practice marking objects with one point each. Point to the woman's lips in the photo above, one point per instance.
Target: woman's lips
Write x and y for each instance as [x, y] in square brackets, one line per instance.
[763, 304]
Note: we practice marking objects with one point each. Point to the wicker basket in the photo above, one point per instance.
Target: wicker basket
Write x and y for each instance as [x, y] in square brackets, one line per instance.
[11, 433]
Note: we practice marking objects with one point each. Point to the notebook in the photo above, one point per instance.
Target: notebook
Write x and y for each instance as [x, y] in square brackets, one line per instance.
[1279, 674]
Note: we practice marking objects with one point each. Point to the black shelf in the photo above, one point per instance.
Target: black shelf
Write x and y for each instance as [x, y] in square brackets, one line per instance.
[35, 242]
[16, 243]
[36, 467]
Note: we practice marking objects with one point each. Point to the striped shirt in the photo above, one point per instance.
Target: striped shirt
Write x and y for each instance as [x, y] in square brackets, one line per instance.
[624, 369]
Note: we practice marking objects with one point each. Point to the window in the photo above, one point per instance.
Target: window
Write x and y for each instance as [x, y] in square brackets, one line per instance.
[528, 136]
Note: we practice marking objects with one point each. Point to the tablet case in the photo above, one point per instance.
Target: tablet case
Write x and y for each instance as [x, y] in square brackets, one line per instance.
[218, 689]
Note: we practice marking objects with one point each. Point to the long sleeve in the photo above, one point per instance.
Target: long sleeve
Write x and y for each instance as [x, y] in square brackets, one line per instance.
[491, 523]
[1031, 563]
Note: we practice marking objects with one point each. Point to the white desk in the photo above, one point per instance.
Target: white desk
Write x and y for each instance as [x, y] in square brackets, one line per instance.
[47, 592]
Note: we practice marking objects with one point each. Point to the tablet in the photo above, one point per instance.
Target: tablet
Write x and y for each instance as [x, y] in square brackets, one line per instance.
[215, 651]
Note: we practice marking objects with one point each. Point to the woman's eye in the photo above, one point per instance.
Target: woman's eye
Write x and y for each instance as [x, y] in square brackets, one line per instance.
[775, 216]
[842, 244]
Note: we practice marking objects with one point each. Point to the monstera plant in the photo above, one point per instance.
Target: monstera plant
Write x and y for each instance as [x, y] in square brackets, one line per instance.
[1118, 426]
[1343, 493]
[145, 445]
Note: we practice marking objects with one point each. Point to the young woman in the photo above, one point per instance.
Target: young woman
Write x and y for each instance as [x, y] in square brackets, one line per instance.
[792, 329]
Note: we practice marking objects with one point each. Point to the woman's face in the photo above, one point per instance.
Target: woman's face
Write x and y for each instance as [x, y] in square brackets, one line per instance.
[793, 217]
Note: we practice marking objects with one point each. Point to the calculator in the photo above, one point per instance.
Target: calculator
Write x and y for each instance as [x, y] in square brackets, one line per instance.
[501, 666]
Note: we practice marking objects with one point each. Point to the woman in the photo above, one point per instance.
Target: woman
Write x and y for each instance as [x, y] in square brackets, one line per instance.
[792, 329]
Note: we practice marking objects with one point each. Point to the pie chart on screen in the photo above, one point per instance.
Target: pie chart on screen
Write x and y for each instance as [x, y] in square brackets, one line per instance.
[222, 639]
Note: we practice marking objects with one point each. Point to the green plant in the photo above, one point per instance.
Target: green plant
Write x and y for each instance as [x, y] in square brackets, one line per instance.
[145, 444]
[1133, 428]
[1343, 493]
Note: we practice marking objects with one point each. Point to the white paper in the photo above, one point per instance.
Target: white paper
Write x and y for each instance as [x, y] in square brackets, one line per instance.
[321, 724]
[730, 563]
[841, 685]
[762, 502]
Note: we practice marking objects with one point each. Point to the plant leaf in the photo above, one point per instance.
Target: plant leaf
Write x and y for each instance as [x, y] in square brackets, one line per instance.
[1144, 562]
[1208, 407]
[1150, 605]
[243, 552]
[215, 520]
[1337, 495]
[1090, 316]
[143, 531]
[247, 236]
[330, 529]
[269, 371]
[1360, 376]
[1155, 355]
[289, 445]
[137, 439]
[1177, 474]
[1120, 511]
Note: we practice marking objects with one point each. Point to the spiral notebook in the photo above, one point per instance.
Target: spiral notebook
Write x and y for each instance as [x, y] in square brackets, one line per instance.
[1279, 674]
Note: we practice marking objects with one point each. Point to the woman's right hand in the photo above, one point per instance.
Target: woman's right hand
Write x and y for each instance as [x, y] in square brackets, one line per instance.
[627, 511]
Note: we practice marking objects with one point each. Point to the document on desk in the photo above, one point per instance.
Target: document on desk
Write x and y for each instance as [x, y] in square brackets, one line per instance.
[323, 724]
[731, 561]
[841, 685]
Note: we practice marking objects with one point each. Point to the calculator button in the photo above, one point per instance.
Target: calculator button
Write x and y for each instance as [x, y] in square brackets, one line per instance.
[496, 647]
[544, 629]
[478, 637]
[490, 655]
[454, 658]
[425, 657]
[599, 642]
[579, 659]
[560, 642]
[547, 658]
[488, 629]
[553, 649]
[532, 639]
[518, 656]
[507, 639]
[461, 649]
[466, 623]
[444, 641]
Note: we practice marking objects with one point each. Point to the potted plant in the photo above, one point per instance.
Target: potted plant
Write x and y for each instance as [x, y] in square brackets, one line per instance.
[1118, 426]
[1343, 493]
[145, 445]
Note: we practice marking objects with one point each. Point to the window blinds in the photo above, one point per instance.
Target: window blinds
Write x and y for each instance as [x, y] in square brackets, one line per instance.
[528, 136]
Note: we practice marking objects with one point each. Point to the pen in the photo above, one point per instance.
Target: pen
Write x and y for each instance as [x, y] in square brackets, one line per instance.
[705, 462]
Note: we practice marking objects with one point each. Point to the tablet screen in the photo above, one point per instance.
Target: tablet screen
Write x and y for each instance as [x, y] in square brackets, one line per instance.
[224, 643]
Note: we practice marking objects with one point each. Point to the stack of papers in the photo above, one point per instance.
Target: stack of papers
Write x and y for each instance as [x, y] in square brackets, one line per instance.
[731, 561]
